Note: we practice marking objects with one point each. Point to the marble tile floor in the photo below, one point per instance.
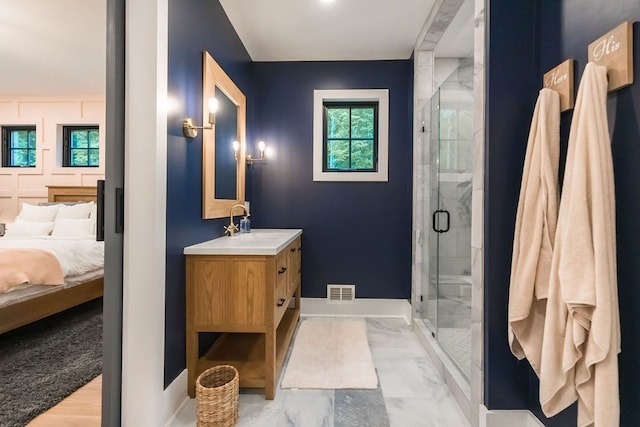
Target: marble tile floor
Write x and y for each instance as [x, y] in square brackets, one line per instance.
[411, 393]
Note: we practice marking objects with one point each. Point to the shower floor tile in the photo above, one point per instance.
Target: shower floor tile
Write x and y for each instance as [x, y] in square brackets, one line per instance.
[457, 342]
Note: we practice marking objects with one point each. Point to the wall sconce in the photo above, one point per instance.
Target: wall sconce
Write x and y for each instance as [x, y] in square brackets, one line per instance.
[190, 130]
[261, 148]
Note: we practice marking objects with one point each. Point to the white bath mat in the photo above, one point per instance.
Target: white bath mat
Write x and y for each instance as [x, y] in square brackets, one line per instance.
[331, 354]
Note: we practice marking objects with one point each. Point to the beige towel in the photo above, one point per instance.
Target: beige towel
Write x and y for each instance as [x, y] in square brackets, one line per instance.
[582, 329]
[535, 231]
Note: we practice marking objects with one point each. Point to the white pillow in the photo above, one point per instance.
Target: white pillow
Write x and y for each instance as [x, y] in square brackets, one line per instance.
[94, 212]
[94, 217]
[22, 228]
[73, 227]
[77, 211]
[37, 213]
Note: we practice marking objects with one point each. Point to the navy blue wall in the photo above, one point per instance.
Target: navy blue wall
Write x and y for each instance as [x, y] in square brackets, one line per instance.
[512, 86]
[554, 31]
[577, 23]
[194, 26]
[357, 233]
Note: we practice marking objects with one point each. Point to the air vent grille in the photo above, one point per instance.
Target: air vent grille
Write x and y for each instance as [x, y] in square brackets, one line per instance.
[341, 293]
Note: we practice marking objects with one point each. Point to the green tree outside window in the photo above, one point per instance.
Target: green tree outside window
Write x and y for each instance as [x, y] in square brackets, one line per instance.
[81, 146]
[19, 146]
[350, 137]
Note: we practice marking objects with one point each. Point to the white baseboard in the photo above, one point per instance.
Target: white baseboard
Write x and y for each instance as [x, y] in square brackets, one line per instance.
[507, 418]
[361, 307]
[175, 397]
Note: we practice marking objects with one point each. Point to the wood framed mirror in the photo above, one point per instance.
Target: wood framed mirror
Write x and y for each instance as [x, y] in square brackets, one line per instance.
[223, 173]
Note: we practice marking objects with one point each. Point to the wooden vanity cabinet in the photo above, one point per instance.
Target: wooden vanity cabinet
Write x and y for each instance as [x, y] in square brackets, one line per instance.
[248, 299]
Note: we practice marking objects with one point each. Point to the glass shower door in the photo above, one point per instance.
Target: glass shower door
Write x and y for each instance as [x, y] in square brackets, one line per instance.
[435, 217]
[446, 279]
[452, 222]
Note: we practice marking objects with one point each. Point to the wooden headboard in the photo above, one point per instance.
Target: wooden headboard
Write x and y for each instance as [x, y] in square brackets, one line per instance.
[71, 194]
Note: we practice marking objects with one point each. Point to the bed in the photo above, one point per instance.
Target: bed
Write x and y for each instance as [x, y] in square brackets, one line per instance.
[34, 302]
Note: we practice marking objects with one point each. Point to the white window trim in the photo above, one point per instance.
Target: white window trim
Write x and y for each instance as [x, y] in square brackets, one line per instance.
[381, 96]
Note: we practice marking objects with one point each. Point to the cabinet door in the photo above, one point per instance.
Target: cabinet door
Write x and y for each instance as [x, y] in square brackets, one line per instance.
[282, 274]
[226, 291]
[295, 266]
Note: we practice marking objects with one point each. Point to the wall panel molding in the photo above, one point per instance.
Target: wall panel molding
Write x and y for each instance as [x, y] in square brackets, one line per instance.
[48, 114]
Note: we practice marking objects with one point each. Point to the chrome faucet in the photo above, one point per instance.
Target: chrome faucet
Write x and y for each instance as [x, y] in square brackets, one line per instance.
[232, 228]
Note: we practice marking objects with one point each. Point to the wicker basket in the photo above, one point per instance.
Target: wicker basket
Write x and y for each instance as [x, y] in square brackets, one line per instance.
[217, 394]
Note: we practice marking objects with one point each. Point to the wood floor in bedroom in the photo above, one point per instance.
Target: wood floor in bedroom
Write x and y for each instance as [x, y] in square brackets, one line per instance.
[82, 409]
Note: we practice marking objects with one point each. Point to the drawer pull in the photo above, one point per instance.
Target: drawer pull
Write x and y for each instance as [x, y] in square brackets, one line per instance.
[299, 270]
[281, 302]
[282, 270]
[299, 249]
[292, 250]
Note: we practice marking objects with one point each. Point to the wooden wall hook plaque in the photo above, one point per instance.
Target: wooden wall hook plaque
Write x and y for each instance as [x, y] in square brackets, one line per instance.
[560, 79]
[615, 51]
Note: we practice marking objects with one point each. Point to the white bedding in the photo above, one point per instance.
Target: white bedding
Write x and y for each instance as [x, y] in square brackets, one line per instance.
[76, 256]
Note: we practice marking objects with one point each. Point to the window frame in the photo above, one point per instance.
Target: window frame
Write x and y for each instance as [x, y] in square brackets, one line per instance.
[67, 149]
[325, 137]
[6, 149]
[379, 96]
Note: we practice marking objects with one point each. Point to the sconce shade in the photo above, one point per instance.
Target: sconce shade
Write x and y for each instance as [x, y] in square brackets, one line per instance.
[213, 108]
[213, 105]
[236, 146]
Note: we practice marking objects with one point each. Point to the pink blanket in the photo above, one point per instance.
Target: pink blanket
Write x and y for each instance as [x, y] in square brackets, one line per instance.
[34, 266]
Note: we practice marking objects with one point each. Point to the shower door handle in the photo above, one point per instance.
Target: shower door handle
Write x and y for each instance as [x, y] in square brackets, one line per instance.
[436, 222]
[446, 212]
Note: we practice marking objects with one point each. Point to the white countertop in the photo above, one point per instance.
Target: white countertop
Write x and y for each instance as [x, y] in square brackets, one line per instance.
[268, 241]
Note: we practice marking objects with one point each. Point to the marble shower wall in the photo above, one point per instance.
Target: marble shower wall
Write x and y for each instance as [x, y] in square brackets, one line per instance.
[477, 214]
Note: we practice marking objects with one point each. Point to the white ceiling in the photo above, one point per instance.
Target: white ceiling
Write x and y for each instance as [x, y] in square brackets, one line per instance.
[58, 47]
[52, 47]
[311, 30]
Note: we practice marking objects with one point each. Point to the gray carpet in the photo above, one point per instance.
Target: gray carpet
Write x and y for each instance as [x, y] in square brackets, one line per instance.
[44, 362]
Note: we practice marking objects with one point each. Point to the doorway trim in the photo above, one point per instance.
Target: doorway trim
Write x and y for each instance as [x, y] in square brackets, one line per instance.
[114, 178]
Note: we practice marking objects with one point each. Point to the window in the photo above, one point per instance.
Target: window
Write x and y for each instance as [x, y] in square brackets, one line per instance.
[350, 135]
[350, 138]
[19, 146]
[80, 146]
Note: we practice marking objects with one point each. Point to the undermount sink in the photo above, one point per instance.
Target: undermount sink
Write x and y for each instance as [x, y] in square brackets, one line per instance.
[258, 242]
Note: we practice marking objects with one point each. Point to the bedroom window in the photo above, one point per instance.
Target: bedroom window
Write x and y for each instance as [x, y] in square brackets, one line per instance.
[80, 146]
[351, 135]
[350, 140]
[19, 146]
